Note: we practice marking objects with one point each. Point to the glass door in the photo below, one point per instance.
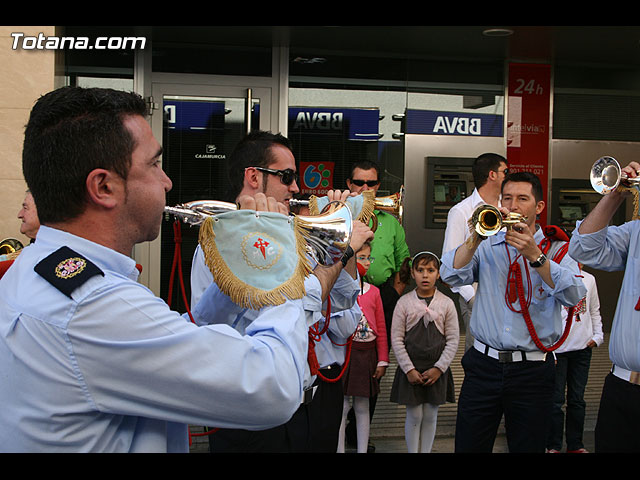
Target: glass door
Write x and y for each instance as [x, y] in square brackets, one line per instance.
[198, 127]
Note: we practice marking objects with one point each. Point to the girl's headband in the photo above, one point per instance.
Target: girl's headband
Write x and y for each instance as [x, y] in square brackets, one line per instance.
[425, 253]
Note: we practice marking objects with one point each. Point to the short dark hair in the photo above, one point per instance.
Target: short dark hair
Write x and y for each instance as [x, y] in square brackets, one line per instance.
[254, 150]
[364, 165]
[528, 177]
[72, 131]
[485, 163]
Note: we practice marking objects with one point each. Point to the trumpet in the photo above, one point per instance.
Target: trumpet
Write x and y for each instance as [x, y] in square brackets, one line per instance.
[606, 175]
[10, 245]
[328, 234]
[487, 220]
[392, 204]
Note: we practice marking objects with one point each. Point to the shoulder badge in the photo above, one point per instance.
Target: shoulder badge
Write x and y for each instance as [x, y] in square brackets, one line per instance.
[66, 270]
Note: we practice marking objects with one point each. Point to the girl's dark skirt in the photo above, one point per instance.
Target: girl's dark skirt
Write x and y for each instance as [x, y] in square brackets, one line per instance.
[358, 378]
[424, 345]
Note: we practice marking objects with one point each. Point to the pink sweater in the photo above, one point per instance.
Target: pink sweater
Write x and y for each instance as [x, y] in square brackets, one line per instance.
[409, 311]
[371, 305]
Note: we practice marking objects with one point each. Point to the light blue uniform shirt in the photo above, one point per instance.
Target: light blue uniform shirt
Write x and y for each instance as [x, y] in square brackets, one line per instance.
[492, 322]
[343, 297]
[610, 249]
[113, 369]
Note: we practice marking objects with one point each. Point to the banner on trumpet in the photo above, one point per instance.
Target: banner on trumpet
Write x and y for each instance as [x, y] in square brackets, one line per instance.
[256, 258]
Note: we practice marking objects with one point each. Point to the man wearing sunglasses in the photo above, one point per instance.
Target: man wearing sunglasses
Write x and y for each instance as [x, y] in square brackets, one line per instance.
[389, 248]
[489, 171]
[263, 163]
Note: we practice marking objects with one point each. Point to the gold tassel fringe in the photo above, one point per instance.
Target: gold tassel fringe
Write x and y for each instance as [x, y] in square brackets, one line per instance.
[243, 294]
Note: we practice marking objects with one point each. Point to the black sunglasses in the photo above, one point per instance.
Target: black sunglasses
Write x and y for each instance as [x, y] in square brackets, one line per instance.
[370, 183]
[287, 176]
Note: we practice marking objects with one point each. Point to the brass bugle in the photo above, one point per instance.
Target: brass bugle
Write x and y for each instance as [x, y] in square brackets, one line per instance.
[392, 204]
[487, 220]
[194, 213]
[606, 175]
[10, 245]
[329, 233]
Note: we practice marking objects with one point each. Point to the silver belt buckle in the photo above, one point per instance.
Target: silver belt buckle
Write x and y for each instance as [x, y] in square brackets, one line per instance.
[505, 357]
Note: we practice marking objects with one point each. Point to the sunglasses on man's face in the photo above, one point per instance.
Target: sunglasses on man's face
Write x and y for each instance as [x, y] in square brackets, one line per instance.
[360, 183]
[287, 176]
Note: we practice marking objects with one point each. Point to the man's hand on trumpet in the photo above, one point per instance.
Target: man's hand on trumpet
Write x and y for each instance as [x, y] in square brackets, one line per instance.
[632, 170]
[260, 202]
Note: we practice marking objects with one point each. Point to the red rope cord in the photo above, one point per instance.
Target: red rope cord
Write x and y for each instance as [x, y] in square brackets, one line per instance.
[177, 264]
[515, 271]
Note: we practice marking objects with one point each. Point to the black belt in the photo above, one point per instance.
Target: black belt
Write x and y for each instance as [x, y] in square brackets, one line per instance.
[509, 356]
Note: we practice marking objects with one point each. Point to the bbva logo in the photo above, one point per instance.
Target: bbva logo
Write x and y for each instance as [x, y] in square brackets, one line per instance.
[457, 125]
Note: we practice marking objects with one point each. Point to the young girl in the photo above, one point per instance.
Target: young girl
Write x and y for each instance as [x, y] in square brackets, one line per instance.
[424, 338]
[369, 357]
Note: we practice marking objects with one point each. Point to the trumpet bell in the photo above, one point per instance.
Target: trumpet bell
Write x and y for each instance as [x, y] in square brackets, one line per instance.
[10, 245]
[487, 220]
[606, 175]
[392, 204]
[328, 234]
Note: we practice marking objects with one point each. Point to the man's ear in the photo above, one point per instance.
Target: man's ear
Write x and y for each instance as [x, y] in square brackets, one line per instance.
[103, 187]
[539, 207]
[251, 178]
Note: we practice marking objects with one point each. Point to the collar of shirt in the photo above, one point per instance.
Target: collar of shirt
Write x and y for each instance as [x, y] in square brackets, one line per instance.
[107, 259]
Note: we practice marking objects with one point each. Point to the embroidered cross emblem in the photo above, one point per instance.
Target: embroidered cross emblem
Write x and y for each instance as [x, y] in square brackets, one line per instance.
[262, 245]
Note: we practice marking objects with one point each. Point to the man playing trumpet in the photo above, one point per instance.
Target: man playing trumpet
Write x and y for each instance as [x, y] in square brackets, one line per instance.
[508, 371]
[606, 247]
[263, 163]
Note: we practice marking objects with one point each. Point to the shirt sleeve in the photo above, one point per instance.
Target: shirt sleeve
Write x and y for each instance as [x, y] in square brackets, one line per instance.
[454, 235]
[398, 331]
[568, 286]
[593, 305]
[135, 356]
[466, 275]
[605, 249]
[400, 250]
[452, 337]
[381, 332]
[201, 276]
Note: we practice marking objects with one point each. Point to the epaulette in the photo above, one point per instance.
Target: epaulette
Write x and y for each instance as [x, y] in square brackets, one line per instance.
[66, 270]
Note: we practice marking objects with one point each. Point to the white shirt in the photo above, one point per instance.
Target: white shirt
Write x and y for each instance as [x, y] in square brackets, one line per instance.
[587, 322]
[457, 232]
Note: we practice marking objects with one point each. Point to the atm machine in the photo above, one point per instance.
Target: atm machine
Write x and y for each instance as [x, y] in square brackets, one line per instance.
[449, 181]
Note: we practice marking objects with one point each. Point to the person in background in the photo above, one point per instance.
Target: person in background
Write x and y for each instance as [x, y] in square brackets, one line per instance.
[516, 318]
[424, 337]
[369, 358]
[263, 163]
[573, 359]
[28, 214]
[489, 170]
[597, 244]
[389, 248]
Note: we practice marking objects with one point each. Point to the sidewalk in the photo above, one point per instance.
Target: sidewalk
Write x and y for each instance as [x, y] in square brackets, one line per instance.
[445, 444]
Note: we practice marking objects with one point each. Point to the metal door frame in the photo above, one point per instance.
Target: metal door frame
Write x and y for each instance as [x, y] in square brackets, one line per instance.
[148, 253]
